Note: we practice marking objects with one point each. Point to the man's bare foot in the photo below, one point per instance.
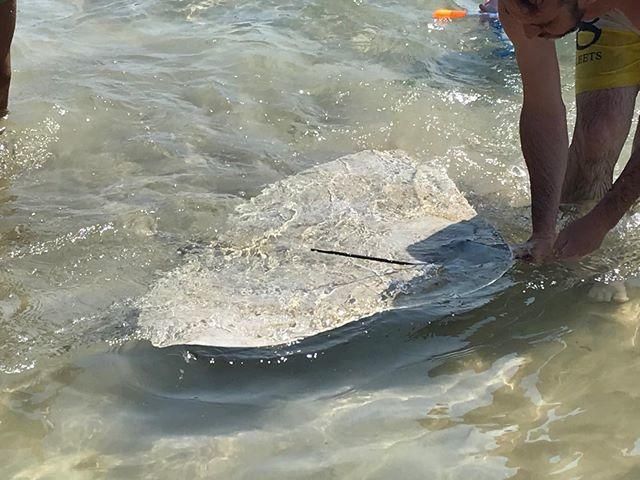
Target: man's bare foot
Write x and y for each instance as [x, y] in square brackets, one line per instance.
[614, 292]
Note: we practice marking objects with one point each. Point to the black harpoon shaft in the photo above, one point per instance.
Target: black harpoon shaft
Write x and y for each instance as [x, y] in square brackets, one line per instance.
[366, 257]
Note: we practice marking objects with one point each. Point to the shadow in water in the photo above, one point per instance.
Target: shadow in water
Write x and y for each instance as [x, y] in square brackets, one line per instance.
[233, 387]
[471, 256]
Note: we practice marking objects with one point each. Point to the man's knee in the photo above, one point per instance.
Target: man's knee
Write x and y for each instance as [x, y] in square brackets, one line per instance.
[602, 126]
[604, 118]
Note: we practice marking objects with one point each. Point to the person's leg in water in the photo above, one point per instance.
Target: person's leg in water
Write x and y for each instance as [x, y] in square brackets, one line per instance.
[489, 6]
[7, 27]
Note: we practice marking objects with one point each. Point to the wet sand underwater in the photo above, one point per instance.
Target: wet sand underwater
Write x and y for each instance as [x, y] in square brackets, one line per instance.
[137, 128]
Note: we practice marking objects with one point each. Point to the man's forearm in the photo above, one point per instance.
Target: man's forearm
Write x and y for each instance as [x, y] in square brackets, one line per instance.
[545, 147]
[623, 194]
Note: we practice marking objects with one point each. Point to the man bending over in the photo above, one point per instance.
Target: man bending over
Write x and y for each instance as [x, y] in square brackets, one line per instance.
[607, 81]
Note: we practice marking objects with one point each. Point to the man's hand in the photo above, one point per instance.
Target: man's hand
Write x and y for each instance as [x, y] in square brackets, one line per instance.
[537, 249]
[581, 237]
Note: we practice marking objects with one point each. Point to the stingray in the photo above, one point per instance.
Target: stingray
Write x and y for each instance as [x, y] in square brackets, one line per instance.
[363, 234]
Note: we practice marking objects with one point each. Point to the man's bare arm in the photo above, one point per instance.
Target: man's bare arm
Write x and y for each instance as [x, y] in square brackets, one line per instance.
[624, 193]
[586, 234]
[7, 27]
[543, 130]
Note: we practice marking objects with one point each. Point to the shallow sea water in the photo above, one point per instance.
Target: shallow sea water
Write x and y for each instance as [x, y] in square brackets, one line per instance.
[137, 127]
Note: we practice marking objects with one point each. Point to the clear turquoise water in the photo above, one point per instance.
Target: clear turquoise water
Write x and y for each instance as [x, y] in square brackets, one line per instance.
[135, 129]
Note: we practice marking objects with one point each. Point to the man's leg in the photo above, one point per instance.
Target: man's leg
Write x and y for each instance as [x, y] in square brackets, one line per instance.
[489, 6]
[7, 27]
[602, 125]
